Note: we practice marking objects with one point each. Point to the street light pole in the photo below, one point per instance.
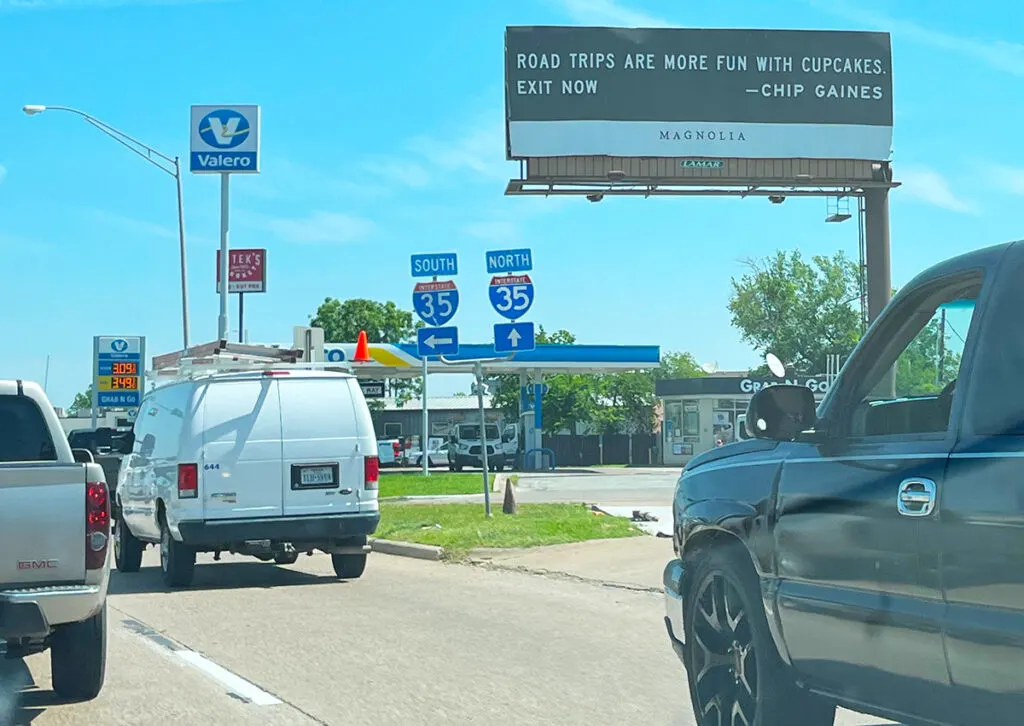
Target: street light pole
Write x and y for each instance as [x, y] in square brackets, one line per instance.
[162, 162]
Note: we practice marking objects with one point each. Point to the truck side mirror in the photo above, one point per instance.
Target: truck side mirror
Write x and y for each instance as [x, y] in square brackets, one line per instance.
[781, 412]
[127, 443]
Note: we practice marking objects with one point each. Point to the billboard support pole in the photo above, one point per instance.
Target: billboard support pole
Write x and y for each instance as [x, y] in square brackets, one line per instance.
[424, 437]
[877, 262]
[222, 321]
[241, 317]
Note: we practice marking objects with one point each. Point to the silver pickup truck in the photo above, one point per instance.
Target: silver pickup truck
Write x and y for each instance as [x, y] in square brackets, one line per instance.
[54, 544]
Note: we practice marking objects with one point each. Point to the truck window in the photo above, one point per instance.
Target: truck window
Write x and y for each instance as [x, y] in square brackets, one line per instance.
[925, 357]
[24, 435]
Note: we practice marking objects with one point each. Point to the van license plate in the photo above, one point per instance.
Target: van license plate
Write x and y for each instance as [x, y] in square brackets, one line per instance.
[316, 476]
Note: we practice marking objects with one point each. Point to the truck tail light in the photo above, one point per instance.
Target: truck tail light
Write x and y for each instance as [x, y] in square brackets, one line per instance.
[188, 481]
[371, 472]
[397, 448]
[97, 524]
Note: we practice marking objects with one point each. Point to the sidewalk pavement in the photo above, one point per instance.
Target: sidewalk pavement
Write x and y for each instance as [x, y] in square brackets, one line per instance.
[634, 562]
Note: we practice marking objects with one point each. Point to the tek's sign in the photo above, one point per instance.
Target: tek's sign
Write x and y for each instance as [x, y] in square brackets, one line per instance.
[247, 270]
[225, 139]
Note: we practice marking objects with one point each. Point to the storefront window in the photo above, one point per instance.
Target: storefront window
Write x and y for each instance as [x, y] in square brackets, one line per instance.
[691, 419]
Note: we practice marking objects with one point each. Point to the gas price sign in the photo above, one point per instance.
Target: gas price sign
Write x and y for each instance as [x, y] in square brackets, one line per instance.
[117, 370]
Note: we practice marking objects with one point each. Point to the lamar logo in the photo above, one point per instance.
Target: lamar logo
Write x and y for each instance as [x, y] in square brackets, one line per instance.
[38, 564]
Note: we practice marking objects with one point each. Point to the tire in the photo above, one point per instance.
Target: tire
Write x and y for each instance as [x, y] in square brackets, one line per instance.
[177, 561]
[78, 657]
[731, 659]
[348, 567]
[286, 558]
[127, 547]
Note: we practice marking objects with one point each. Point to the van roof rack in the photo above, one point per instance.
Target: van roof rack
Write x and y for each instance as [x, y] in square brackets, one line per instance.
[222, 357]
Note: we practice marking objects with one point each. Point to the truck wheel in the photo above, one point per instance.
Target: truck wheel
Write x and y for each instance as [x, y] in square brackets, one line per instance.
[78, 657]
[177, 562]
[732, 665]
[127, 548]
[286, 558]
[348, 567]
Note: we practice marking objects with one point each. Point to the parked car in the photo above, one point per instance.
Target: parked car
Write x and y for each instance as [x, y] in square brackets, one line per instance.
[435, 457]
[54, 538]
[868, 553]
[465, 447]
[266, 463]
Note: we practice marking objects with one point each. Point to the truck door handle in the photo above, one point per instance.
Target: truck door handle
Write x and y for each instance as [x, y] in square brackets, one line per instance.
[916, 497]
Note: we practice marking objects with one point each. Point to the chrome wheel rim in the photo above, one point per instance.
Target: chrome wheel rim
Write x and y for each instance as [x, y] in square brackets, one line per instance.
[165, 545]
[724, 664]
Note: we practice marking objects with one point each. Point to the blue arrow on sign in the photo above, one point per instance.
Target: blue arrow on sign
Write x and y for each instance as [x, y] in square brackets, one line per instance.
[435, 302]
[437, 341]
[511, 295]
[514, 337]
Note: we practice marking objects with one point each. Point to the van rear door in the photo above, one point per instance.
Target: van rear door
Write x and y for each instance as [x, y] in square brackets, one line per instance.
[323, 460]
[240, 467]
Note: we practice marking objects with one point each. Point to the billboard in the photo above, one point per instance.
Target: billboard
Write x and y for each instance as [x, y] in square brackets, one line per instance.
[703, 93]
[247, 270]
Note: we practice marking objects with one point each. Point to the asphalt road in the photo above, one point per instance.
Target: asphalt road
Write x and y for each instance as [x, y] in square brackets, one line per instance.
[412, 642]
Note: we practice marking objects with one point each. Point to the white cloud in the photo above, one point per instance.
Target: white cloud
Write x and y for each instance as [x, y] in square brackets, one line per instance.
[478, 148]
[1007, 179]
[405, 172]
[609, 12]
[929, 186]
[283, 178]
[3, 172]
[998, 54]
[495, 230]
[318, 227]
[134, 227]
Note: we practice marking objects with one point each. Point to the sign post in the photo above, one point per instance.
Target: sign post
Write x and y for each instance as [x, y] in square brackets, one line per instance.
[436, 303]
[247, 272]
[117, 372]
[225, 140]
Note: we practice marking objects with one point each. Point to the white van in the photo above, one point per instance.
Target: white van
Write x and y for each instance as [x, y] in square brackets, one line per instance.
[268, 463]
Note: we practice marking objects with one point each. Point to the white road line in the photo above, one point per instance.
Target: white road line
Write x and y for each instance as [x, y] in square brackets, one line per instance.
[236, 684]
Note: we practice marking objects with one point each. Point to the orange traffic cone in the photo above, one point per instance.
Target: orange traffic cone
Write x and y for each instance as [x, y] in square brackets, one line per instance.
[362, 349]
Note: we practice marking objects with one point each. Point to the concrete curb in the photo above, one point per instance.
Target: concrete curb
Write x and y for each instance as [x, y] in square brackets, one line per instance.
[406, 549]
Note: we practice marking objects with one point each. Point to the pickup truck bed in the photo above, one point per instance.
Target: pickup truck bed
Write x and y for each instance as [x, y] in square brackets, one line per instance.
[54, 544]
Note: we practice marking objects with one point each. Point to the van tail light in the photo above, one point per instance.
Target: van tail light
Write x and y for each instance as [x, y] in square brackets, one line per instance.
[97, 525]
[371, 472]
[188, 481]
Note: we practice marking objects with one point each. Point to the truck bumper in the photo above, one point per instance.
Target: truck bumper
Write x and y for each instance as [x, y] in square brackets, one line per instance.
[316, 529]
[672, 578]
[477, 461]
[33, 611]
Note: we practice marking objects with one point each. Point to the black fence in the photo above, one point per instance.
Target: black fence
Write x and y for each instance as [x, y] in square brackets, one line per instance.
[609, 449]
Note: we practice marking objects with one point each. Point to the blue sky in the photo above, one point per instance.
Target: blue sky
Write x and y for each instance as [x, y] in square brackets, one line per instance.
[383, 136]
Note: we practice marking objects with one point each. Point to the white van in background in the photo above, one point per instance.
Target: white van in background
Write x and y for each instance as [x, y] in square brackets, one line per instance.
[268, 463]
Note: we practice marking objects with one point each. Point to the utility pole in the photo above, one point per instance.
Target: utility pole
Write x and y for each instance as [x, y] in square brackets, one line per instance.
[941, 348]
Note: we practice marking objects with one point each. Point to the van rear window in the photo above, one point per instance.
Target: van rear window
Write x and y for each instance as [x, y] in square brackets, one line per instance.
[24, 435]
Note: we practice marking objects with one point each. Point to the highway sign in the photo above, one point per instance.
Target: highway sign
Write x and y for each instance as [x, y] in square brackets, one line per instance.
[437, 341]
[436, 264]
[118, 370]
[505, 261]
[435, 302]
[511, 295]
[225, 139]
[513, 337]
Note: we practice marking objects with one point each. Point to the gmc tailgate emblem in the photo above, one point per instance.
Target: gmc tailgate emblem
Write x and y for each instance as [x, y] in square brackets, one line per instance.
[38, 564]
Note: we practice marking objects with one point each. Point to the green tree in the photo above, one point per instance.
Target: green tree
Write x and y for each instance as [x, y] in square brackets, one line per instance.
[918, 367]
[383, 323]
[802, 311]
[82, 402]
